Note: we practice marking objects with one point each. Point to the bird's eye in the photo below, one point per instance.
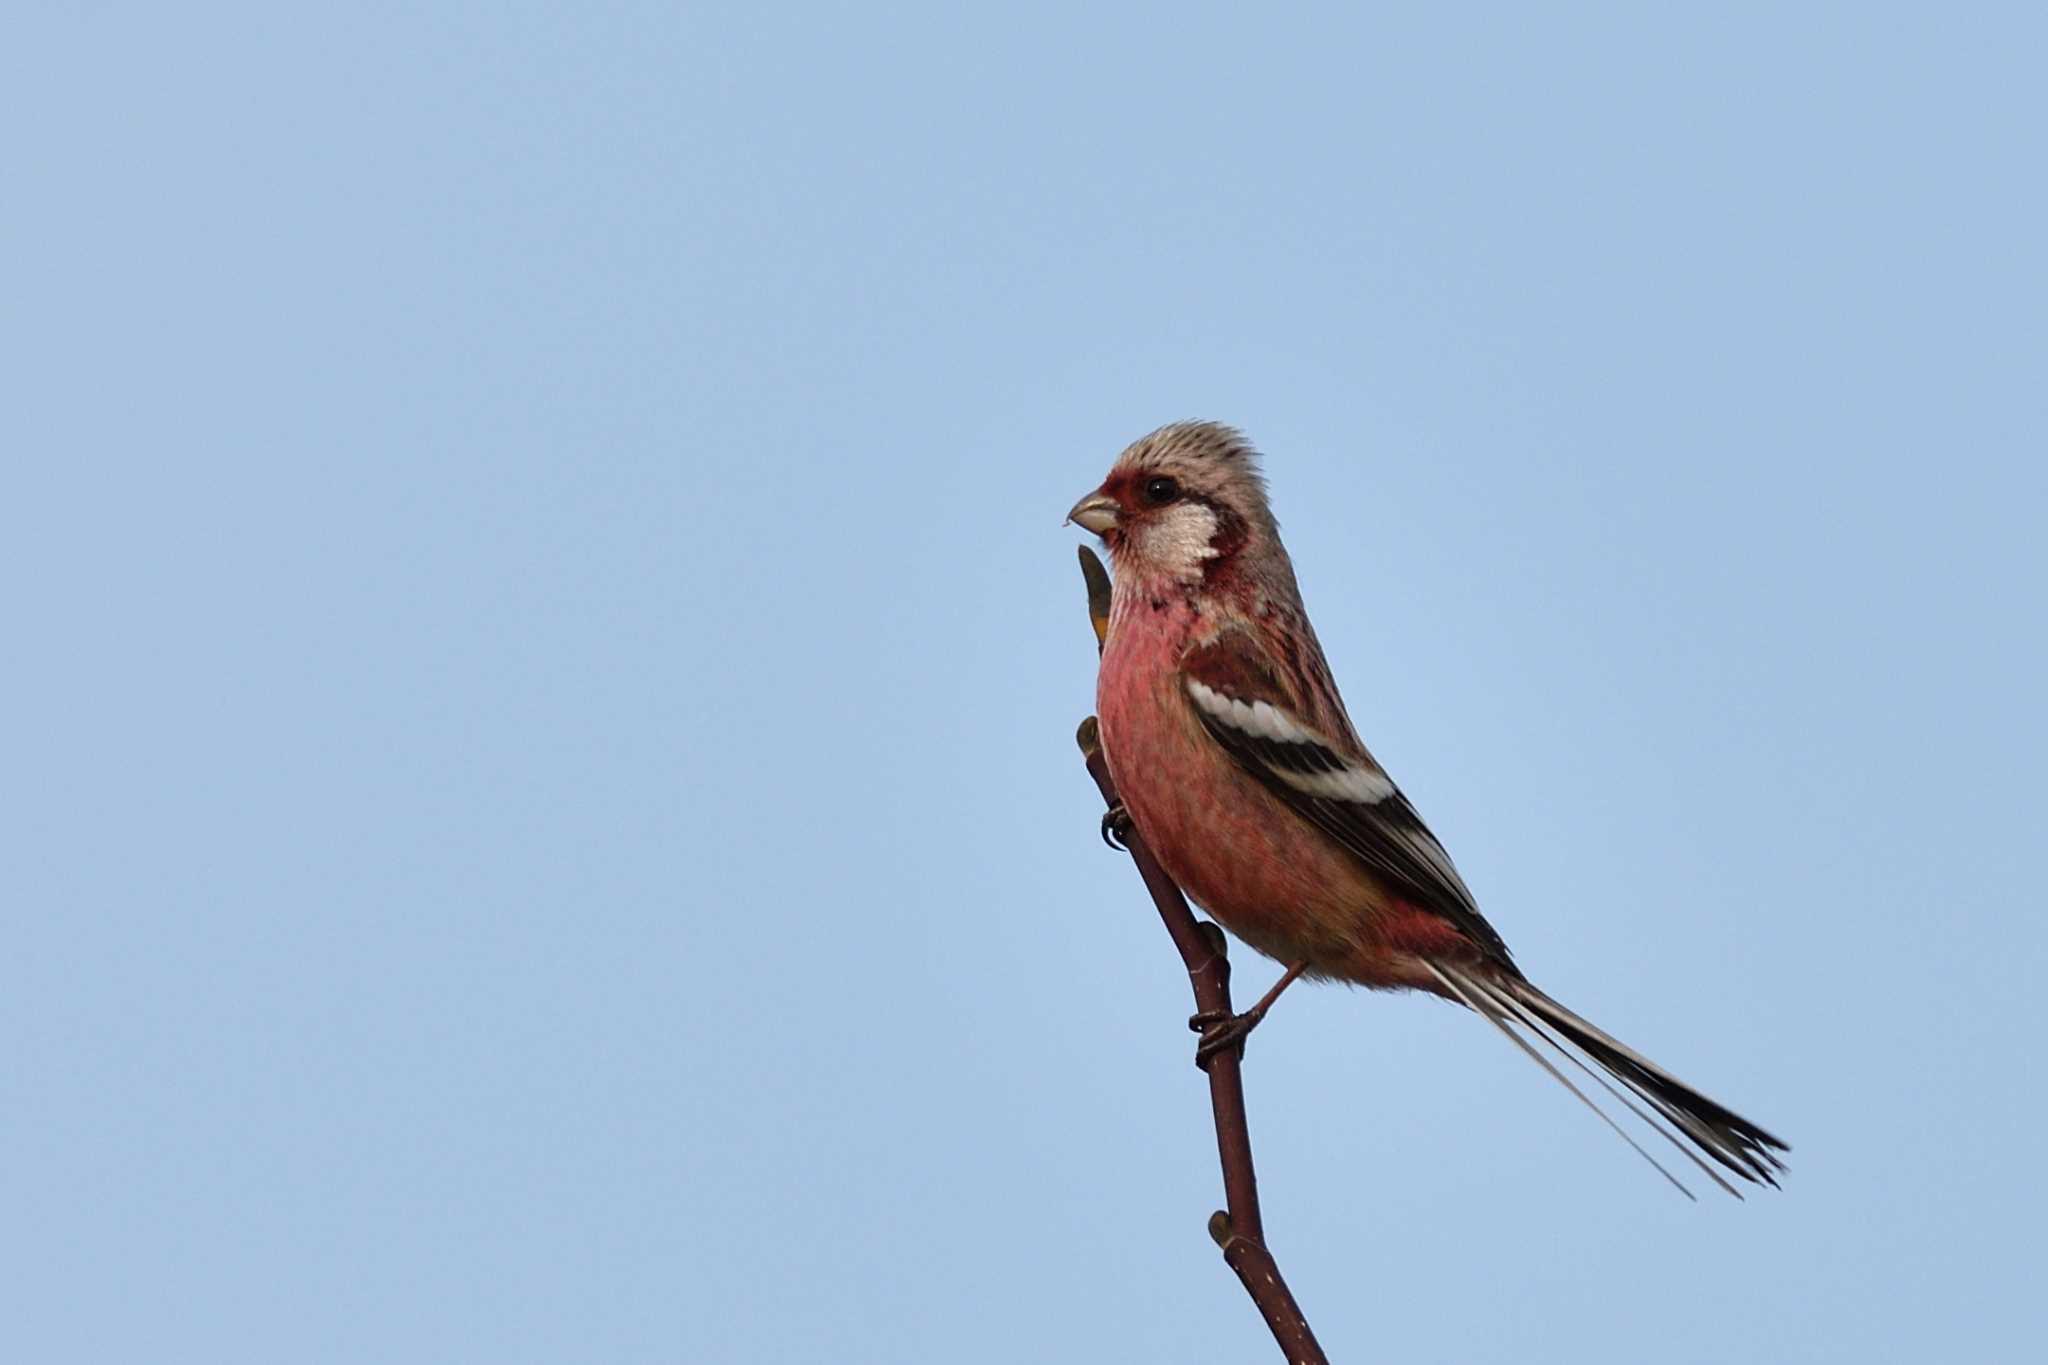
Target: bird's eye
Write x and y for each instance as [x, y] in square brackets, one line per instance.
[1161, 491]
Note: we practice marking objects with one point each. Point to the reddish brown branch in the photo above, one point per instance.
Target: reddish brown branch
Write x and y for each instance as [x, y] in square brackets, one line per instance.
[1240, 1231]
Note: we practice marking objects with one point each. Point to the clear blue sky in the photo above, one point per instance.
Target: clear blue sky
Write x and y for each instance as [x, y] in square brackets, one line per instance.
[541, 821]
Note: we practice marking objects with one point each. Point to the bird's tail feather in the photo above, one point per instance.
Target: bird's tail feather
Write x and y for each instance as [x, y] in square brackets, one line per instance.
[1514, 1006]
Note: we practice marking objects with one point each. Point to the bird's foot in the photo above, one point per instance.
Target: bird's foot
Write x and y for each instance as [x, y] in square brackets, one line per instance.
[1116, 828]
[1221, 1031]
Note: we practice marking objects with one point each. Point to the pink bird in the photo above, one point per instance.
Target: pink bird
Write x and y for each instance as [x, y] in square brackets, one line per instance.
[1238, 765]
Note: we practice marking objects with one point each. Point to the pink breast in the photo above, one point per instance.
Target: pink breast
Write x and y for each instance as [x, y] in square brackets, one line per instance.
[1267, 875]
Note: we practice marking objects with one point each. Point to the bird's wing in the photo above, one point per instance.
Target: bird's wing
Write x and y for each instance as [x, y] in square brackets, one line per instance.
[1238, 696]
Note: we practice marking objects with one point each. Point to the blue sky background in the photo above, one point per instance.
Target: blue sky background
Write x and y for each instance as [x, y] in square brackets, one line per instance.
[541, 820]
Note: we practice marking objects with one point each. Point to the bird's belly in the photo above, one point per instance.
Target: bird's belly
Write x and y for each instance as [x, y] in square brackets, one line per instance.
[1269, 877]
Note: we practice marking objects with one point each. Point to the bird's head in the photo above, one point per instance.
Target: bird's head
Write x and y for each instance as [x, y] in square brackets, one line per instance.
[1184, 504]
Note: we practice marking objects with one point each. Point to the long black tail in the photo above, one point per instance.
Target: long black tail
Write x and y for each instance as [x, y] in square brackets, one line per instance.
[1512, 1004]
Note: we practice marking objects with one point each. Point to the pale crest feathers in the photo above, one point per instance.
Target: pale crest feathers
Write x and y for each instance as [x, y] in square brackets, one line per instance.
[1209, 457]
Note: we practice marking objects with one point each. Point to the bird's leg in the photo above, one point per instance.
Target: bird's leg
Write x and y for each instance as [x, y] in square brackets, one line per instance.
[1220, 1030]
[1116, 828]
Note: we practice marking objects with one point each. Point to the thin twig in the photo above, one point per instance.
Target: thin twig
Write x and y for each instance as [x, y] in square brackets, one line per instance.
[1240, 1231]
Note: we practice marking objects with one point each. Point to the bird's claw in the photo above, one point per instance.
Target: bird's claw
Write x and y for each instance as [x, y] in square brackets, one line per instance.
[1221, 1031]
[1116, 828]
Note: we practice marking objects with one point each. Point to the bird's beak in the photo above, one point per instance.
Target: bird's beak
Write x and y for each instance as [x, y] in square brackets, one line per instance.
[1096, 512]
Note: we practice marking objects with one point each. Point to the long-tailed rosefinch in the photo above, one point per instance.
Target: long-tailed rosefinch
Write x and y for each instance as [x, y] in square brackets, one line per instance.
[1236, 762]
